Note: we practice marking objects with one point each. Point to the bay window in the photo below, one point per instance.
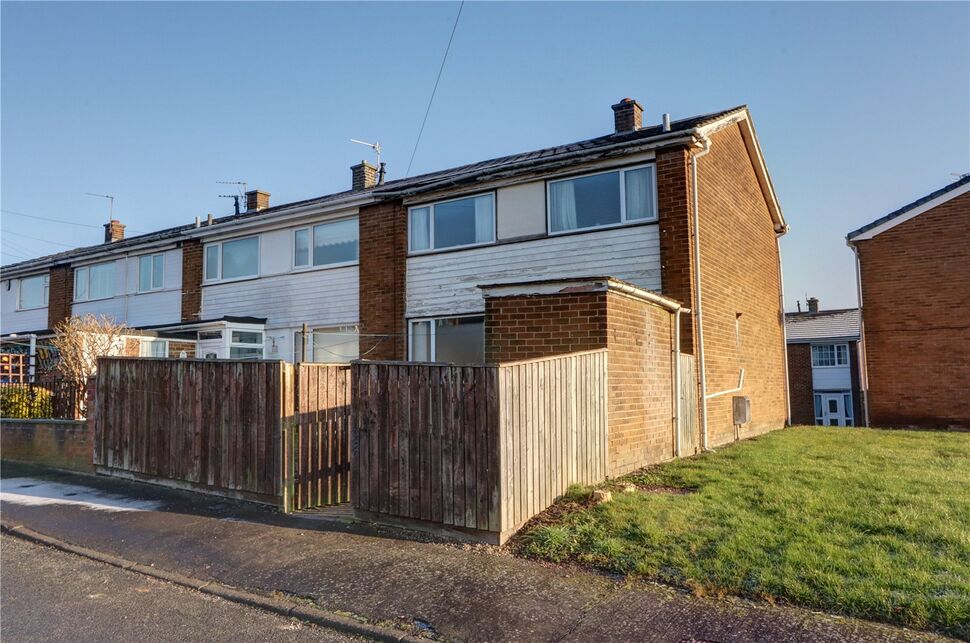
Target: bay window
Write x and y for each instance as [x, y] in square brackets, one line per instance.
[150, 272]
[232, 259]
[325, 244]
[455, 340]
[603, 199]
[94, 282]
[450, 224]
[34, 292]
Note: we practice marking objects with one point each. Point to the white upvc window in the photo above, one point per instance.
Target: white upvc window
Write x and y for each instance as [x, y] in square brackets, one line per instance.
[334, 243]
[151, 269]
[826, 355]
[94, 282]
[603, 199]
[228, 260]
[456, 223]
[245, 344]
[456, 340]
[333, 344]
[34, 292]
[153, 348]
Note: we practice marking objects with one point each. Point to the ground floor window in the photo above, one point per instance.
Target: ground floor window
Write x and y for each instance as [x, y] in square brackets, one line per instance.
[153, 348]
[246, 344]
[455, 340]
[334, 345]
[834, 408]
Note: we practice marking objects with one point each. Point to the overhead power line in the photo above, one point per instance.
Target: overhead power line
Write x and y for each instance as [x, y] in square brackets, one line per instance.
[40, 218]
[56, 243]
[435, 89]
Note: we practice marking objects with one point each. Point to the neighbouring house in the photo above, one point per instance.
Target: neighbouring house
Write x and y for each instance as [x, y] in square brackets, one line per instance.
[913, 272]
[823, 366]
[651, 241]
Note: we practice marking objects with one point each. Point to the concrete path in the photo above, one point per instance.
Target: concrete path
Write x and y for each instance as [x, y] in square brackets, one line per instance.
[48, 595]
[444, 591]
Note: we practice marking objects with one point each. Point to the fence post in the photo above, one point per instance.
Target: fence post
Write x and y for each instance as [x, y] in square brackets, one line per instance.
[91, 411]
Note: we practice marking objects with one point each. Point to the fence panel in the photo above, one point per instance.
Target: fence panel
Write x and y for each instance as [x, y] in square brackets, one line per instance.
[553, 431]
[318, 440]
[687, 422]
[204, 423]
[60, 399]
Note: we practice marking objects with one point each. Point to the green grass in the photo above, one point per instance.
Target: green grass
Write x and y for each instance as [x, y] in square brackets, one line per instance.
[861, 522]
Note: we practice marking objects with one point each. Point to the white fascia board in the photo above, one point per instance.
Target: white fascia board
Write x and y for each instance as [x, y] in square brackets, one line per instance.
[906, 216]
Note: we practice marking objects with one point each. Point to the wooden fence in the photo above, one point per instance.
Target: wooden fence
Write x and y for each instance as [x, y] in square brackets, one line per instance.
[213, 425]
[317, 441]
[483, 448]
[687, 429]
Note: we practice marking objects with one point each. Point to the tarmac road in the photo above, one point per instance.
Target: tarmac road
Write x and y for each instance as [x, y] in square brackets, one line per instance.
[49, 595]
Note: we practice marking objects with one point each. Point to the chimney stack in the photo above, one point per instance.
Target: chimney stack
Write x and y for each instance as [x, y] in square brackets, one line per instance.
[627, 116]
[364, 176]
[256, 200]
[114, 231]
[813, 304]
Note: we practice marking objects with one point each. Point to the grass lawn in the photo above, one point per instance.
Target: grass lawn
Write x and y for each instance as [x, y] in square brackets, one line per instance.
[861, 522]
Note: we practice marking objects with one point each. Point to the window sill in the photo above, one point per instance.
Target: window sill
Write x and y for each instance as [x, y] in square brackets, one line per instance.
[329, 266]
[608, 226]
[26, 310]
[87, 301]
[434, 251]
[234, 280]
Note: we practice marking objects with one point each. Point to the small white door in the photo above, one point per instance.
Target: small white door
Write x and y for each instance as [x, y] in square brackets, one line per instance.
[833, 412]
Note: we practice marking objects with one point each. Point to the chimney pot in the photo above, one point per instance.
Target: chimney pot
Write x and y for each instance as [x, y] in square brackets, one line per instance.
[813, 304]
[256, 200]
[364, 176]
[627, 116]
[114, 231]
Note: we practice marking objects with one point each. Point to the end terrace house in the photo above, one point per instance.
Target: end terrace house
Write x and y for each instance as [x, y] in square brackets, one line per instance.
[494, 261]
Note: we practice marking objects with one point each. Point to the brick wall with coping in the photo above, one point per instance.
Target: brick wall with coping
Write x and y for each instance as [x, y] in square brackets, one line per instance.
[62, 444]
[638, 336]
[191, 280]
[915, 294]
[383, 274]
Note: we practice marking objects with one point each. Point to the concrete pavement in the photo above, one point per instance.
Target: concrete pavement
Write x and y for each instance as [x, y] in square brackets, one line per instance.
[48, 595]
[452, 592]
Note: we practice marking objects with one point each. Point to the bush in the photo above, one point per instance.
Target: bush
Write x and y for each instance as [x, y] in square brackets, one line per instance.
[26, 403]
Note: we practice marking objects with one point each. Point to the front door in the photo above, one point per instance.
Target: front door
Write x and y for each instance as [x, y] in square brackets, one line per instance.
[833, 411]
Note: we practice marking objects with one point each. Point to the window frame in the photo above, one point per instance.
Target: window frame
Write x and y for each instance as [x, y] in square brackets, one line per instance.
[432, 335]
[309, 228]
[835, 353]
[150, 342]
[219, 244]
[431, 205]
[621, 172]
[87, 268]
[230, 344]
[45, 291]
[151, 281]
[346, 329]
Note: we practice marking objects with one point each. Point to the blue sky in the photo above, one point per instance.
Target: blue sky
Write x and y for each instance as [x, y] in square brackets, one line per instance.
[860, 107]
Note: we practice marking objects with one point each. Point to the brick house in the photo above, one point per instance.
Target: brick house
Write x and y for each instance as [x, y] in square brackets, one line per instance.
[913, 272]
[823, 366]
[651, 241]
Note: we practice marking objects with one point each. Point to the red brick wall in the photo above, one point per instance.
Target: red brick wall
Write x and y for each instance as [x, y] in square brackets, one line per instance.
[383, 267]
[191, 280]
[676, 228]
[739, 274]
[916, 294]
[800, 384]
[532, 326]
[640, 337]
[63, 444]
[61, 295]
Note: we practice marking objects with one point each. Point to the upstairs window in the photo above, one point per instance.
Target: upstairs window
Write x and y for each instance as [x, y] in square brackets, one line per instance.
[604, 199]
[327, 244]
[150, 272]
[34, 292]
[94, 282]
[830, 355]
[451, 224]
[234, 259]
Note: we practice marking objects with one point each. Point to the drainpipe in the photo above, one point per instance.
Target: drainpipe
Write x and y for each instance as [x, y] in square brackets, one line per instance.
[861, 350]
[784, 328]
[706, 143]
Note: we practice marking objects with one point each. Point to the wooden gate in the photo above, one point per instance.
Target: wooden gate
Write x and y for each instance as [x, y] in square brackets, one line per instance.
[317, 440]
[687, 429]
